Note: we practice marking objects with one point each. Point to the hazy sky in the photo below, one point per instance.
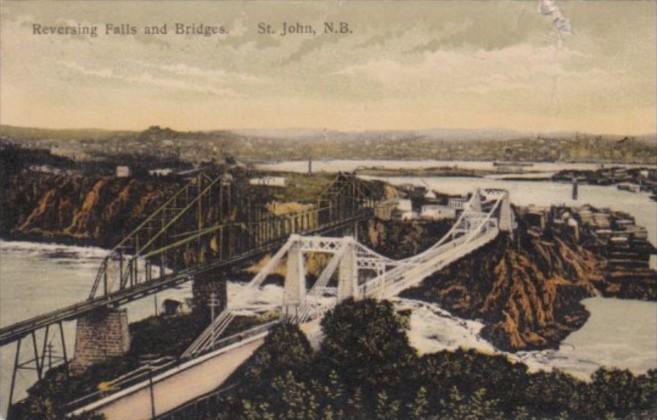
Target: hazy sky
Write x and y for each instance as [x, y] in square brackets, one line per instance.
[440, 64]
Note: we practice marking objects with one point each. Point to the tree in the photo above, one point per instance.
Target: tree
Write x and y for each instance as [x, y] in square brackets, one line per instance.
[365, 341]
[419, 406]
[385, 408]
[285, 348]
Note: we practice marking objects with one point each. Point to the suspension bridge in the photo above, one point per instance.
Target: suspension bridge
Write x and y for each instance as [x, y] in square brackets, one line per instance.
[361, 273]
[210, 224]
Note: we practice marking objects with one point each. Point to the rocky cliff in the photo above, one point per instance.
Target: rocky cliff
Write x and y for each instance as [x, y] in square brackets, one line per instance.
[77, 209]
[527, 290]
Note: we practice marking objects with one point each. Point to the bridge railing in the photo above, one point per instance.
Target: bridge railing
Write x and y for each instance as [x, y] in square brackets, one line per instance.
[125, 243]
[471, 223]
[219, 242]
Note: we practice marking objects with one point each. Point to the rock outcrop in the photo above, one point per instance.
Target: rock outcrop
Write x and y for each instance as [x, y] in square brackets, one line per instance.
[77, 209]
[527, 290]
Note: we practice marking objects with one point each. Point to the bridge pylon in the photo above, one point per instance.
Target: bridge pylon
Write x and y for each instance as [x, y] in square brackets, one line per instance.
[295, 278]
[362, 272]
[475, 201]
[507, 220]
[348, 271]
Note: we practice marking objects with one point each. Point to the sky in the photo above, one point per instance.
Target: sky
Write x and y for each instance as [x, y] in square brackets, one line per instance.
[531, 65]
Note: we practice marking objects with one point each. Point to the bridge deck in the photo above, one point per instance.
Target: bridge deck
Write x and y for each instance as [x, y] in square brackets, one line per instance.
[15, 331]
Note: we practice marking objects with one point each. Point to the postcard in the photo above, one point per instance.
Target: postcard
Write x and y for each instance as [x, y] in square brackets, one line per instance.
[328, 210]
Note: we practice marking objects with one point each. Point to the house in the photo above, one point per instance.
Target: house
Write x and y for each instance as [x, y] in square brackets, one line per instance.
[437, 212]
[123, 171]
[171, 306]
[408, 215]
[456, 203]
[160, 172]
[404, 205]
[269, 181]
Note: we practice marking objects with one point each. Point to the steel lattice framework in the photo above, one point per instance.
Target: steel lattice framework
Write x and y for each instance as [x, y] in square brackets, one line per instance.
[211, 223]
[486, 214]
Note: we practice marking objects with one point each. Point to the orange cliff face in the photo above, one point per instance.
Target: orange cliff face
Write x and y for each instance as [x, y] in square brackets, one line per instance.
[528, 299]
[77, 209]
[527, 291]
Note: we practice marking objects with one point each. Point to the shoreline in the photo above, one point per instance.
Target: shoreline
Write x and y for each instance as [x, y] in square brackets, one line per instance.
[55, 240]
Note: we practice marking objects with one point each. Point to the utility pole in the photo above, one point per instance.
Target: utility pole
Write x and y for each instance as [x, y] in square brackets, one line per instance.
[212, 302]
[147, 362]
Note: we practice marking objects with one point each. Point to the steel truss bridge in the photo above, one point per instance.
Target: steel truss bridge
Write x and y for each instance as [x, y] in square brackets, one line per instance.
[210, 223]
[361, 272]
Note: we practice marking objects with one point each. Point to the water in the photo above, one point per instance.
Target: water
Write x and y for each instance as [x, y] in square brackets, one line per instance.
[350, 165]
[35, 278]
[542, 193]
[619, 333]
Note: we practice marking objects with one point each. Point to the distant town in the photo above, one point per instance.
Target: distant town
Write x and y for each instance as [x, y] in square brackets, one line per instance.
[255, 145]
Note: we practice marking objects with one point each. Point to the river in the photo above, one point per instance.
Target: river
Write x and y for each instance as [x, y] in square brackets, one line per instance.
[39, 277]
[35, 278]
[350, 165]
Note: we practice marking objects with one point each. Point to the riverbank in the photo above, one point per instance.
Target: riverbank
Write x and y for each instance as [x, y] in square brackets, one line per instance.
[527, 288]
[548, 312]
[405, 239]
[443, 171]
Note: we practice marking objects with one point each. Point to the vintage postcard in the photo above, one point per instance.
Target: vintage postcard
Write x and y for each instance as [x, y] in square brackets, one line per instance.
[328, 209]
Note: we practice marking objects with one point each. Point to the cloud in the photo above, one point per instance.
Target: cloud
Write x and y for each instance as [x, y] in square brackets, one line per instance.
[220, 76]
[483, 74]
[146, 78]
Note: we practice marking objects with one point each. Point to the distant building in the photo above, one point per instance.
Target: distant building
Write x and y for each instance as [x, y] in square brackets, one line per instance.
[45, 168]
[456, 203]
[404, 205]
[160, 172]
[437, 212]
[171, 307]
[627, 186]
[123, 171]
[408, 215]
[269, 181]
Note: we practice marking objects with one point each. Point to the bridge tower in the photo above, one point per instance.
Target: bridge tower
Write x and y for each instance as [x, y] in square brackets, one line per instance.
[348, 272]
[506, 223]
[475, 201]
[295, 278]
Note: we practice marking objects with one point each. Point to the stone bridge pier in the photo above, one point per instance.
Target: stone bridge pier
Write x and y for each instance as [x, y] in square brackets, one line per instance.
[100, 335]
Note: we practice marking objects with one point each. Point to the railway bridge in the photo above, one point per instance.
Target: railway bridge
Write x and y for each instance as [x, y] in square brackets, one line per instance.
[211, 224]
[352, 271]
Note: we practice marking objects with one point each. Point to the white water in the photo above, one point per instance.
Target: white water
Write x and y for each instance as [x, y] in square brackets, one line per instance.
[35, 278]
[619, 333]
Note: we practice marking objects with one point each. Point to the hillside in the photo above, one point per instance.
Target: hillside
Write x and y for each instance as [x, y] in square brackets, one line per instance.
[300, 144]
